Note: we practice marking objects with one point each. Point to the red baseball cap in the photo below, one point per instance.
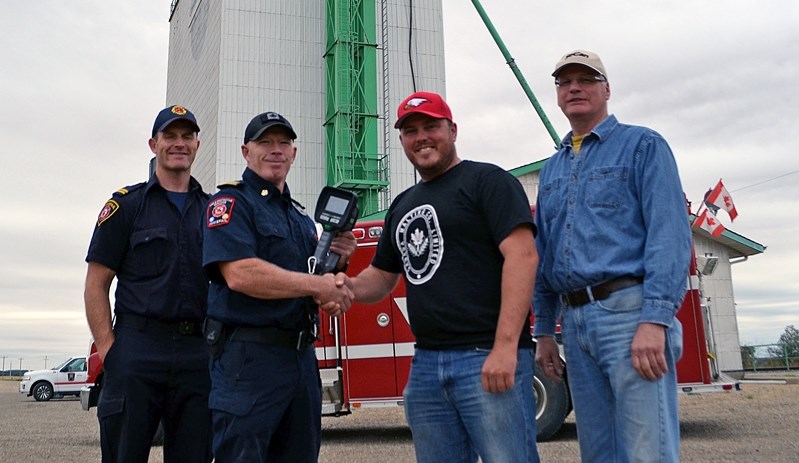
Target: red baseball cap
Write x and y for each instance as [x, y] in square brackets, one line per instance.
[427, 103]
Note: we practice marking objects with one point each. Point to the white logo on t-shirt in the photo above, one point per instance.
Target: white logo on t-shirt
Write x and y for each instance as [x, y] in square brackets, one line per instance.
[420, 243]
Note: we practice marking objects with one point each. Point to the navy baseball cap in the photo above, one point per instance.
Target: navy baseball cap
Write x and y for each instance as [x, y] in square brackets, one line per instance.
[261, 122]
[171, 114]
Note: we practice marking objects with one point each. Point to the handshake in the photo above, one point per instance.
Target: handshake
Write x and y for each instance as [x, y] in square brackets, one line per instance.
[335, 294]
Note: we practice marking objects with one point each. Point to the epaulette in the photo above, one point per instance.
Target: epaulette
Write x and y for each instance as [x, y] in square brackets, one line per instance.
[299, 207]
[230, 184]
[125, 190]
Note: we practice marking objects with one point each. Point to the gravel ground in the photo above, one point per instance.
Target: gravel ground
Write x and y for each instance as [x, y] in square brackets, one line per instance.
[760, 423]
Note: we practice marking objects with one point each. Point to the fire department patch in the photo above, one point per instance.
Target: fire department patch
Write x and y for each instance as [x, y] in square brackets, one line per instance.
[219, 211]
[108, 210]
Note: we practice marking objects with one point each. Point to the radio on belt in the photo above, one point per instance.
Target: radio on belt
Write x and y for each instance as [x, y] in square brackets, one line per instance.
[336, 211]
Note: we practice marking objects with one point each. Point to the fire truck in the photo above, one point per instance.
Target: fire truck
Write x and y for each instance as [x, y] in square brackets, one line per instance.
[365, 356]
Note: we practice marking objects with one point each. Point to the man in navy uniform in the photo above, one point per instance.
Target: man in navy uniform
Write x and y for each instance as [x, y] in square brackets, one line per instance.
[266, 392]
[148, 236]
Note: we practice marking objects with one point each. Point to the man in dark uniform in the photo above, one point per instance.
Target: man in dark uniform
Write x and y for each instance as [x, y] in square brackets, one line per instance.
[149, 237]
[266, 392]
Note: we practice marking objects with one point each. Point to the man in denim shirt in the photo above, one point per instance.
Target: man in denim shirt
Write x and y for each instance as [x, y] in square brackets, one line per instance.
[614, 244]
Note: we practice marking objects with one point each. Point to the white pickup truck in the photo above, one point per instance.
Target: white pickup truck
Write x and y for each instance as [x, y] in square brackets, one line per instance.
[65, 379]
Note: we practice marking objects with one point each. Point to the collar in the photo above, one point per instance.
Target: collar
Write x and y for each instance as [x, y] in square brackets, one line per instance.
[194, 185]
[255, 181]
[601, 130]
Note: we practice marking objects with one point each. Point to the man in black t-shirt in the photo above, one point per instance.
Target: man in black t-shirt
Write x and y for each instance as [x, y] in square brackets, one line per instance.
[463, 239]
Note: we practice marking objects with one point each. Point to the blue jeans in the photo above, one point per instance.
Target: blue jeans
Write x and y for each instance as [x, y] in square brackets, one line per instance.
[453, 419]
[621, 417]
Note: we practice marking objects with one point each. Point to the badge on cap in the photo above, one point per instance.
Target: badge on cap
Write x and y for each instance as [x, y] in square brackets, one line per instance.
[220, 211]
[179, 110]
[414, 102]
[108, 210]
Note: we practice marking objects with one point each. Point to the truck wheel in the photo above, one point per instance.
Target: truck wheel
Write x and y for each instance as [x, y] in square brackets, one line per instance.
[551, 404]
[42, 391]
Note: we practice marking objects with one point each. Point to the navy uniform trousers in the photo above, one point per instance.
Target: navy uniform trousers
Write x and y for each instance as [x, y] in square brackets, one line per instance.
[266, 403]
[151, 375]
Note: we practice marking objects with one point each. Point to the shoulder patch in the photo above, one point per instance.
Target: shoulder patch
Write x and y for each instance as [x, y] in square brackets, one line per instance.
[229, 184]
[220, 211]
[108, 210]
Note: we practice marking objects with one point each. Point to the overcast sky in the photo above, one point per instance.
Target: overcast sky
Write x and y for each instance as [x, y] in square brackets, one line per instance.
[82, 80]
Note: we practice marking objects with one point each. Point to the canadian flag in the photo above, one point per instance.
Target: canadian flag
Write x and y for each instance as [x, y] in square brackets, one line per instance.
[708, 222]
[721, 198]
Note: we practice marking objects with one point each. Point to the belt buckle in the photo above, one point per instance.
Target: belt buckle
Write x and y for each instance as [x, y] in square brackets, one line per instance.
[186, 328]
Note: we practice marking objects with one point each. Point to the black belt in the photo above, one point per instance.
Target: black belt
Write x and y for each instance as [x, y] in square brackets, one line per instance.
[272, 336]
[160, 327]
[599, 292]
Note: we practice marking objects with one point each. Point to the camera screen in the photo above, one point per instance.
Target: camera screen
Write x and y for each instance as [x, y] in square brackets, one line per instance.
[336, 205]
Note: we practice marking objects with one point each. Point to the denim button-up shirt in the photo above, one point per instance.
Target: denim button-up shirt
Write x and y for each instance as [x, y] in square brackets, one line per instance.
[617, 208]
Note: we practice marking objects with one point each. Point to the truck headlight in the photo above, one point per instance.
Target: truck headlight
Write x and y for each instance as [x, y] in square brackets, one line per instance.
[26, 377]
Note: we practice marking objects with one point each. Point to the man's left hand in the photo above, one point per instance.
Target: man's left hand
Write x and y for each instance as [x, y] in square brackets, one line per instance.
[648, 351]
[344, 245]
[499, 369]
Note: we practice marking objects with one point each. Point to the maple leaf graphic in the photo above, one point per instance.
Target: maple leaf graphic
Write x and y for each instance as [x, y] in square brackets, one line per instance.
[418, 243]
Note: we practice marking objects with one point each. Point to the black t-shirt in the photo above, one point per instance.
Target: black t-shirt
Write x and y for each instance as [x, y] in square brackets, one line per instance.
[443, 236]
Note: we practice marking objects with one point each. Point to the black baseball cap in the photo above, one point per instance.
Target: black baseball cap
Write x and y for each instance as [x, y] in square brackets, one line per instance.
[261, 122]
[171, 114]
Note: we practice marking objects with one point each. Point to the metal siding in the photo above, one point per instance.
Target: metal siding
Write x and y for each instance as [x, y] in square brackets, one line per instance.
[251, 57]
[718, 295]
[192, 77]
[428, 66]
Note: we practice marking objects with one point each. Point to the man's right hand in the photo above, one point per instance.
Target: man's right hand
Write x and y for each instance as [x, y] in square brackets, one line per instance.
[335, 295]
[104, 346]
[547, 356]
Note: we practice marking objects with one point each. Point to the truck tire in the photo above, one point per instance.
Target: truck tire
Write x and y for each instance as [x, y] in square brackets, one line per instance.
[42, 391]
[552, 404]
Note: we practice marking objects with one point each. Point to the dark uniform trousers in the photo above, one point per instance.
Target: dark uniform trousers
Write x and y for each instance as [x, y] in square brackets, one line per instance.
[266, 403]
[154, 371]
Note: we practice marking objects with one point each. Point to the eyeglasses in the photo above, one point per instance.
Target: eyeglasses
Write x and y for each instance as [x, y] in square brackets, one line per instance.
[582, 81]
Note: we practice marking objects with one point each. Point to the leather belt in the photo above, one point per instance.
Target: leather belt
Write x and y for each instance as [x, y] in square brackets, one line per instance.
[272, 336]
[159, 327]
[599, 292]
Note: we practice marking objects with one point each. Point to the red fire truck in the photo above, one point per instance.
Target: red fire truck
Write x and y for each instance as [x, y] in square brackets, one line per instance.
[365, 356]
